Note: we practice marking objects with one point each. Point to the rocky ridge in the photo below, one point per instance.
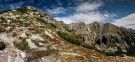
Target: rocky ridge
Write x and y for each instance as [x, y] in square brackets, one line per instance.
[107, 38]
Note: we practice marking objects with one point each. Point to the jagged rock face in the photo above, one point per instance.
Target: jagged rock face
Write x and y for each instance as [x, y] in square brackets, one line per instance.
[105, 37]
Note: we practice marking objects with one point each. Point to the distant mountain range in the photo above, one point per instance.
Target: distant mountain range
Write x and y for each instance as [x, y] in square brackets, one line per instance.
[107, 38]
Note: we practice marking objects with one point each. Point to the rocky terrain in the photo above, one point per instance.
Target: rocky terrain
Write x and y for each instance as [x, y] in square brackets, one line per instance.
[30, 35]
[106, 38]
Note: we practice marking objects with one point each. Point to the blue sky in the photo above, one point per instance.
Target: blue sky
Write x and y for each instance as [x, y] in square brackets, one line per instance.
[118, 12]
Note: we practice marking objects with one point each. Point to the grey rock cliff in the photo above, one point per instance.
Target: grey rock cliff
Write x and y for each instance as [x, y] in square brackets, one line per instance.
[107, 37]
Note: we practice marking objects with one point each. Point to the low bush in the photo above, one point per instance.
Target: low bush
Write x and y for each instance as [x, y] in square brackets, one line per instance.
[70, 38]
[22, 45]
[22, 10]
[4, 11]
[41, 20]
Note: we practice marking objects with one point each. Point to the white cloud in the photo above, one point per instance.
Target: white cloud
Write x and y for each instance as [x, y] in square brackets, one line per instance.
[55, 11]
[128, 21]
[86, 6]
[84, 17]
[85, 12]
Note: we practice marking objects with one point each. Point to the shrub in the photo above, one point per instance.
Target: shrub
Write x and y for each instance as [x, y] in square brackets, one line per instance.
[69, 38]
[22, 10]
[69, 30]
[119, 52]
[22, 45]
[41, 20]
[131, 51]
[3, 19]
[53, 25]
[85, 45]
[5, 11]
[44, 42]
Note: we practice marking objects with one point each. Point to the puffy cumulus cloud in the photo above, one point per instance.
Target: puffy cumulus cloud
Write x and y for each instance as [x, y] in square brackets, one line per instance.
[87, 13]
[87, 6]
[128, 21]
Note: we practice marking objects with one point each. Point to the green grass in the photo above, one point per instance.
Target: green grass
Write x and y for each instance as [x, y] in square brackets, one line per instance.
[44, 42]
[70, 38]
[22, 45]
[53, 25]
[22, 10]
[41, 20]
[37, 43]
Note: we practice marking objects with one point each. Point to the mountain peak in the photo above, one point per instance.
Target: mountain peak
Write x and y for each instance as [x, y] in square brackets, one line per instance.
[95, 23]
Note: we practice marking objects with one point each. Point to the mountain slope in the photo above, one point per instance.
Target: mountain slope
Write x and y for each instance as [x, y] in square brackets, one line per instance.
[31, 36]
